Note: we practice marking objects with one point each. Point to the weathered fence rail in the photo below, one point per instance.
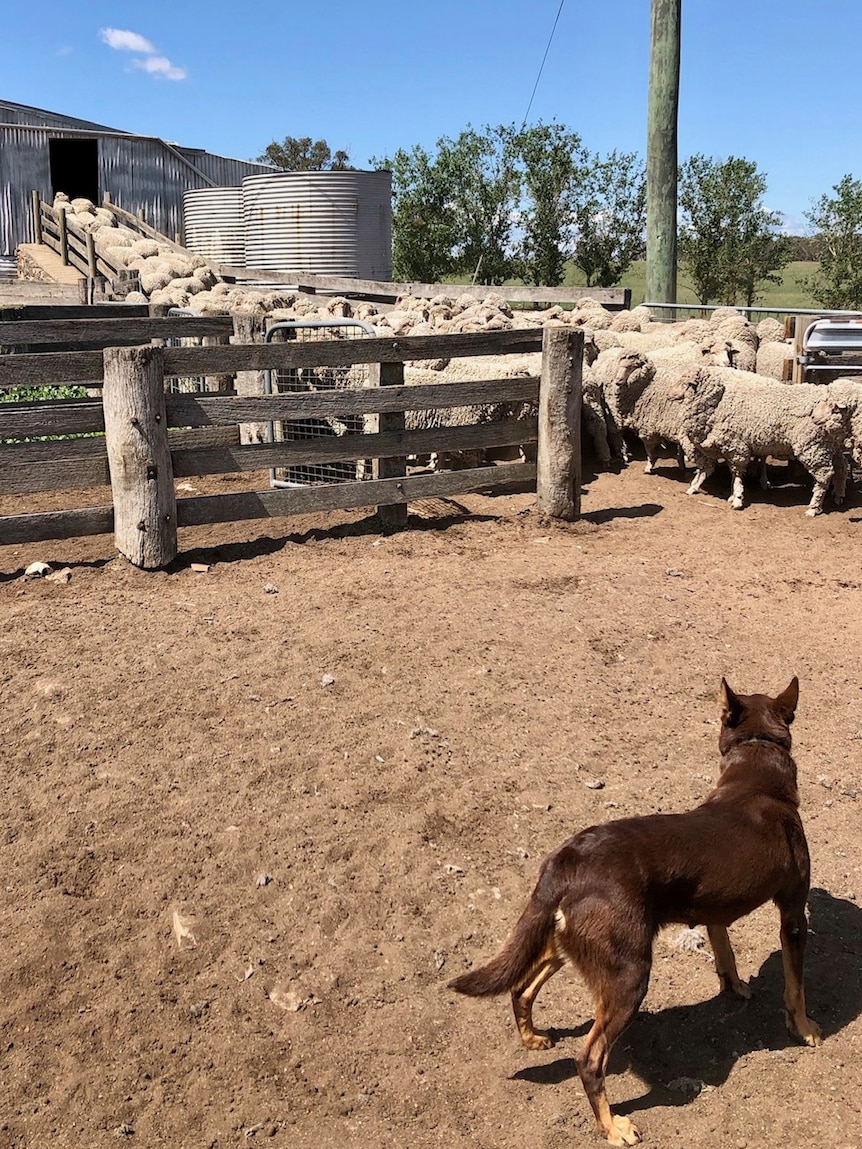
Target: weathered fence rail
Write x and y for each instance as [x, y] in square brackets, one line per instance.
[151, 438]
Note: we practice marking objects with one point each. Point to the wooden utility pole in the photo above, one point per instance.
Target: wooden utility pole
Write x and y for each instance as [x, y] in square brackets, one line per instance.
[662, 151]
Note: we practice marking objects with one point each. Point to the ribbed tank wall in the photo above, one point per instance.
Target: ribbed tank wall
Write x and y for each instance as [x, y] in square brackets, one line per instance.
[324, 223]
[213, 224]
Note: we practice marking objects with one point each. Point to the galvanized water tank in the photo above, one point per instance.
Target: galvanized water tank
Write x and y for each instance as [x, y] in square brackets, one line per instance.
[213, 224]
[325, 223]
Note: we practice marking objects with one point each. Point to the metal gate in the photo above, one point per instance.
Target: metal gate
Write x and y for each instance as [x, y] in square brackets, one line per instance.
[317, 379]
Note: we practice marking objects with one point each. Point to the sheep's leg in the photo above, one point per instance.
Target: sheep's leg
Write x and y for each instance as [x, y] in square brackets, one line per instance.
[651, 445]
[839, 479]
[764, 476]
[737, 494]
[821, 486]
[705, 468]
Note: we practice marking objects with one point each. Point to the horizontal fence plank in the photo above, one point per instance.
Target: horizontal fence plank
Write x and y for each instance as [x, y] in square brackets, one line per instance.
[109, 331]
[343, 448]
[52, 369]
[30, 311]
[40, 527]
[205, 509]
[199, 410]
[382, 289]
[343, 352]
[53, 450]
[58, 475]
[51, 417]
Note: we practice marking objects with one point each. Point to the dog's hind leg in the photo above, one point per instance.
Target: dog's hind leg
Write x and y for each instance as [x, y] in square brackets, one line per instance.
[523, 998]
[794, 932]
[725, 962]
[619, 992]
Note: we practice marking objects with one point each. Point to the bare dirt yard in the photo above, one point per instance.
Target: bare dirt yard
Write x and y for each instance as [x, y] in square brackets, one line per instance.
[254, 818]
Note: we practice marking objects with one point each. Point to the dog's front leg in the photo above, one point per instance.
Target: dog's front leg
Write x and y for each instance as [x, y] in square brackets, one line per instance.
[794, 933]
[725, 962]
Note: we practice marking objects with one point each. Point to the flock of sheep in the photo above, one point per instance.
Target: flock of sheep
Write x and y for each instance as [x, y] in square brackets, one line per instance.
[710, 388]
[715, 401]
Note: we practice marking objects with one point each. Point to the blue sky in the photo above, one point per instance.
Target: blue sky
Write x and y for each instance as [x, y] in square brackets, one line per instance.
[775, 81]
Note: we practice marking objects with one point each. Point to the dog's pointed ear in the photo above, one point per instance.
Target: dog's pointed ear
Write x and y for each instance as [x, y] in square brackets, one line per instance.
[731, 707]
[788, 699]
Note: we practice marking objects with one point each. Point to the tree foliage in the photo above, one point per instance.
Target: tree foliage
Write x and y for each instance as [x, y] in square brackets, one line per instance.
[551, 161]
[609, 217]
[302, 154]
[424, 229]
[729, 243]
[838, 222]
[510, 202]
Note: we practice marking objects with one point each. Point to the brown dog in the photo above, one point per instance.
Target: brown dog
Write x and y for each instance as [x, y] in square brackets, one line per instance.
[603, 895]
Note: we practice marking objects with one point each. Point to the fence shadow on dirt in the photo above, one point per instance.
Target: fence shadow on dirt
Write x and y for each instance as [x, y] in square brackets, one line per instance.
[702, 1042]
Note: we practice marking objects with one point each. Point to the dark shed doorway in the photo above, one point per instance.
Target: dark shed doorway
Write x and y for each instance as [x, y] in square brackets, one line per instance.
[75, 168]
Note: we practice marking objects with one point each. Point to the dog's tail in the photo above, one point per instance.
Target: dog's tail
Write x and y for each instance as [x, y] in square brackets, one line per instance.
[511, 967]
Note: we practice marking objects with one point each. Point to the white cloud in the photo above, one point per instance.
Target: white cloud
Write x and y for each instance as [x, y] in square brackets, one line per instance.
[161, 66]
[125, 41]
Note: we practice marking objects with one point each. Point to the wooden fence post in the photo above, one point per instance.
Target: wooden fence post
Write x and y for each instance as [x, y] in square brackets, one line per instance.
[394, 516]
[803, 322]
[64, 236]
[136, 437]
[92, 269]
[248, 327]
[558, 480]
[37, 216]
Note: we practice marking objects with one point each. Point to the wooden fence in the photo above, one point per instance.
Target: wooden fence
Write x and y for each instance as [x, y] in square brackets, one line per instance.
[138, 439]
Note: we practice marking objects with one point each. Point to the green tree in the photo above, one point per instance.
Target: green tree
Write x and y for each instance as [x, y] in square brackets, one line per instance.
[729, 243]
[838, 222]
[424, 229]
[484, 182]
[609, 217]
[303, 154]
[453, 211]
[552, 161]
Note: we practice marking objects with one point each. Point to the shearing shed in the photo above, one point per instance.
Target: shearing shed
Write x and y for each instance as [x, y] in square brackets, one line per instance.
[50, 153]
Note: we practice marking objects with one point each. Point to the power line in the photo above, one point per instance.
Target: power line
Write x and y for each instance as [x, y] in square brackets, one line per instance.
[542, 65]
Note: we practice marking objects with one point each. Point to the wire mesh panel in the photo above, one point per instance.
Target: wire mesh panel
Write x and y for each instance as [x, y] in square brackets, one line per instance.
[185, 384]
[318, 379]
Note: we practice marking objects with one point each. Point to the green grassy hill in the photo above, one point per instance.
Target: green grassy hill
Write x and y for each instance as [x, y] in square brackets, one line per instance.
[788, 293]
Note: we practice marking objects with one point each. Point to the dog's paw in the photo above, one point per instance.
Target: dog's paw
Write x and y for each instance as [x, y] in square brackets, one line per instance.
[736, 986]
[623, 1132]
[809, 1034]
[538, 1039]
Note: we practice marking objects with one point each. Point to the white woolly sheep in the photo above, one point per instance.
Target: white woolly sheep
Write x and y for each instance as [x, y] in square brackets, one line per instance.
[771, 358]
[741, 417]
[646, 399]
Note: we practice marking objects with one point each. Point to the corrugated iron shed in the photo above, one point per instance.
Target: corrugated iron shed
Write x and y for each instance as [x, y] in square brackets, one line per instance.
[43, 151]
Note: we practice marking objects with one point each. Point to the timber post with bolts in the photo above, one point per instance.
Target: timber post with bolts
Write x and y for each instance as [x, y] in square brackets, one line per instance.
[662, 117]
[558, 478]
[139, 458]
[394, 516]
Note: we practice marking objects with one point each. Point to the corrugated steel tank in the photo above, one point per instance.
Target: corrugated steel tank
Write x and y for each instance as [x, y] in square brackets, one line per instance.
[324, 223]
[213, 224]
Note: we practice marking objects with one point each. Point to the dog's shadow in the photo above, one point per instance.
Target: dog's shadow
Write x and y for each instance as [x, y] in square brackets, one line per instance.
[695, 1045]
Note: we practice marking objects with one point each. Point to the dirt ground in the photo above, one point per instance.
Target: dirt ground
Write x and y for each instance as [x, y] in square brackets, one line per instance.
[254, 818]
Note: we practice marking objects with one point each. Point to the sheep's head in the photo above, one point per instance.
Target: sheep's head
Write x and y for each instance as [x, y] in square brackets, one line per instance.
[831, 414]
[632, 367]
[591, 348]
